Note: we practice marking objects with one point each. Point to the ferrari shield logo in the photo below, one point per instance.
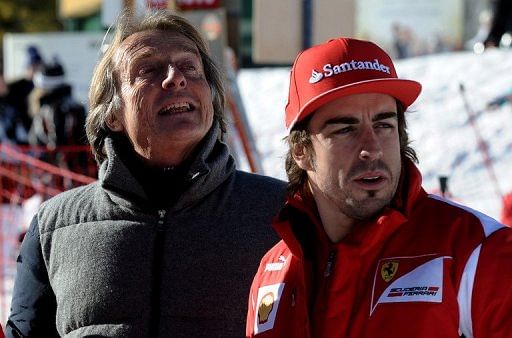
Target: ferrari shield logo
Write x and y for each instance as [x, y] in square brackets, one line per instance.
[388, 270]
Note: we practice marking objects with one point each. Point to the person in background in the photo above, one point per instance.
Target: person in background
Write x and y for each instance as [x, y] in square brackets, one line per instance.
[57, 118]
[402, 40]
[501, 23]
[365, 251]
[7, 114]
[20, 89]
[166, 242]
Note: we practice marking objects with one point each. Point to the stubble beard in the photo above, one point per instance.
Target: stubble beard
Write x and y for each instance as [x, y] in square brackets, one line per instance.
[370, 204]
[365, 208]
[360, 209]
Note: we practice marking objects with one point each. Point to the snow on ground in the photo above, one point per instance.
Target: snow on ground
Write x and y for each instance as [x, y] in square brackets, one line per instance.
[439, 126]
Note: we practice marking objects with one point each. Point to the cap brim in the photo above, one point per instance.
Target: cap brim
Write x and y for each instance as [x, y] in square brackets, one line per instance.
[405, 91]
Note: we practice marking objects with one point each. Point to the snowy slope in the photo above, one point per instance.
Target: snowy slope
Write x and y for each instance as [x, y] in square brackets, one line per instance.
[439, 124]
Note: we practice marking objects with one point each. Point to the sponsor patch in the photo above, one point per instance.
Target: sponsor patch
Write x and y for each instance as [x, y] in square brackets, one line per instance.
[315, 76]
[276, 266]
[388, 270]
[267, 305]
[408, 279]
[329, 70]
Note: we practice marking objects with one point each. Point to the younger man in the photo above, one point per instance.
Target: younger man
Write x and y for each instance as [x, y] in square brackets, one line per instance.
[365, 251]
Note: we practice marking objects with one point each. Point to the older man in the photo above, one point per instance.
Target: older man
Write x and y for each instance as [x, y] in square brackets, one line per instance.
[365, 251]
[166, 242]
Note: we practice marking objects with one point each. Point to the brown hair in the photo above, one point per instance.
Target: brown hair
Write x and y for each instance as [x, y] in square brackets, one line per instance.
[104, 94]
[300, 137]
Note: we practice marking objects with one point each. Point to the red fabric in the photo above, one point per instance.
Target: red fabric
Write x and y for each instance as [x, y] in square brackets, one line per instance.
[197, 4]
[492, 302]
[506, 211]
[399, 275]
[341, 67]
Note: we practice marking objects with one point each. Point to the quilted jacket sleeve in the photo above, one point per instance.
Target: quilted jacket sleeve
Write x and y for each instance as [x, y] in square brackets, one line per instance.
[33, 305]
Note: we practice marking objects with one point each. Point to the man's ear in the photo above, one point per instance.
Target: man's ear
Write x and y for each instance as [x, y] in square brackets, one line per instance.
[301, 157]
[114, 123]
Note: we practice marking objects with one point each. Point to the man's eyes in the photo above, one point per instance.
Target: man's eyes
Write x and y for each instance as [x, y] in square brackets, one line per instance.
[186, 68]
[145, 70]
[385, 125]
[192, 68]
[344, 130]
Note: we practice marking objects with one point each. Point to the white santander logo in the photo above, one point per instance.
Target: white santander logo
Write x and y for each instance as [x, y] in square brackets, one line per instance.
[331, 70]
[315, 76]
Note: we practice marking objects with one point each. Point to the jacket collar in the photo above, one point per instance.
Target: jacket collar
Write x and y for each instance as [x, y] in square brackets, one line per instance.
[212, 164]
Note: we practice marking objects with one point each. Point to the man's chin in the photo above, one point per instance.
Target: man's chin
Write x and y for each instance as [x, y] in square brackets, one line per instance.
[366, 208]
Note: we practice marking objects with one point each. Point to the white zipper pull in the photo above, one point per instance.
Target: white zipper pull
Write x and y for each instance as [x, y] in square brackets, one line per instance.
[330, 264]
[161, 215]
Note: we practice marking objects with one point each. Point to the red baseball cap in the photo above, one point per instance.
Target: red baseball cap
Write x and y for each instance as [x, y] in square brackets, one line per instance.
[342, 67]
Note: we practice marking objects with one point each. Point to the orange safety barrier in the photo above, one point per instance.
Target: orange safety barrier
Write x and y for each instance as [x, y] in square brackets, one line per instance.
[28, 176]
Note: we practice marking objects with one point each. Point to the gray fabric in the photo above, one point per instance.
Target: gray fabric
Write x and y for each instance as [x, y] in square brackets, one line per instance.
[100, 244]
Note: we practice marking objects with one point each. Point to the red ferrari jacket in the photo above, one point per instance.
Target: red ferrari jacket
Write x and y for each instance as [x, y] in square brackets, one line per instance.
[425, 267]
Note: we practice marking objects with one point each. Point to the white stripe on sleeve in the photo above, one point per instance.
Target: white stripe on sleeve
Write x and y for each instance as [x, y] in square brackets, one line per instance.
[465, 293]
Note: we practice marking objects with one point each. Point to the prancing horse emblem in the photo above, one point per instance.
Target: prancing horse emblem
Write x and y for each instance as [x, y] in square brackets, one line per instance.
[388, 270]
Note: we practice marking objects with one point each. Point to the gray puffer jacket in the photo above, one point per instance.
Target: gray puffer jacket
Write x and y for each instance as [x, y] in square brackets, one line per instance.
[117, 266]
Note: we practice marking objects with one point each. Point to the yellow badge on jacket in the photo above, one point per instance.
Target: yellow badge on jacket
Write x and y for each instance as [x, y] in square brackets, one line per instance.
[388, 270]
[266, 306]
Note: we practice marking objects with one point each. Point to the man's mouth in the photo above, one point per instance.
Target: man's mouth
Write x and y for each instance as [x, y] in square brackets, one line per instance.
[371, 180]
[176, 108]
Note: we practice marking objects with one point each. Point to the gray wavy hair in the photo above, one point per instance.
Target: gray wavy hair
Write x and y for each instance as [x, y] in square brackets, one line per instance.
[104, 93]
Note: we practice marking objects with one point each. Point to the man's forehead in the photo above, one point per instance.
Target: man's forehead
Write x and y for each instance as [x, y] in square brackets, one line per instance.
[352, 119]
[351, 114]
[150, 42]
[351, 104]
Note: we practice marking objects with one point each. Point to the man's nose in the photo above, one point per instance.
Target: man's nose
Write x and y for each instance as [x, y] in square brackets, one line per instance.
[174, 79]
[371, 148]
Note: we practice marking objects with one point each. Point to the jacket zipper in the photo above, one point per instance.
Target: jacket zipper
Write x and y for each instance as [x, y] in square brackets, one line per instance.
[157, 274]
[330, 263]
[161, 218]
[323, 289]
